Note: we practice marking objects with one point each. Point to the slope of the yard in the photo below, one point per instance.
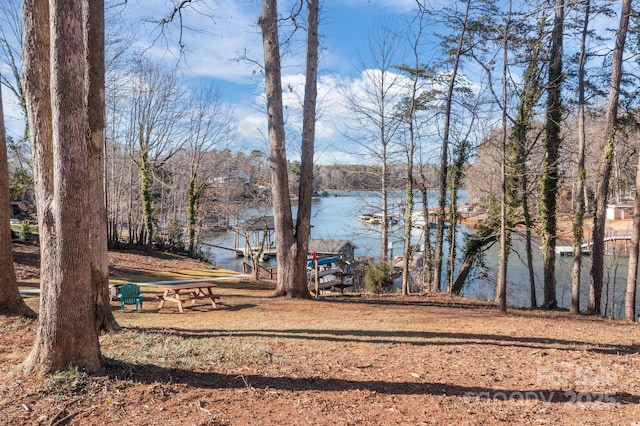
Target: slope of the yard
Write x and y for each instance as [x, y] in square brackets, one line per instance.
[356, 360]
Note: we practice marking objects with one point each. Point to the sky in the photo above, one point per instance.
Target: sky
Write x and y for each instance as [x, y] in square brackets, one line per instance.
[223, 31]
[216, 33]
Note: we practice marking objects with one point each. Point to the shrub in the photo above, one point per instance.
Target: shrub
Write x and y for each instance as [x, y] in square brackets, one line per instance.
[25, 232]
[378, 278]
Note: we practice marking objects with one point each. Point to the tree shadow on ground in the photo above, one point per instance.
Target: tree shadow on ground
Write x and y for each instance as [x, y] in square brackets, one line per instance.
[201, 307]
[417, 338]
[415, 300]
[465, 304]
[150, 374]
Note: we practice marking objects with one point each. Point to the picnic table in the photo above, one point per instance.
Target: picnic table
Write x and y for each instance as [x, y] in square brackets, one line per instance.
[183, 291]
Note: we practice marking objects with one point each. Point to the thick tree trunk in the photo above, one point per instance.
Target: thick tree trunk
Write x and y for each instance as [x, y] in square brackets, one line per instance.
[602, 191]
[551, 171]
[11, 303]
[94, 80]
[67, 327]
[303, 220]
[291, 243]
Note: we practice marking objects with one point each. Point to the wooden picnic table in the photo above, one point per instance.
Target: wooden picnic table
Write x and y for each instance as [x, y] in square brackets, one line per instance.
[188, 291]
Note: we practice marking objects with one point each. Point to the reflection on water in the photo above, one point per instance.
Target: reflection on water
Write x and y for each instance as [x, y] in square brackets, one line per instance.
[336, 217]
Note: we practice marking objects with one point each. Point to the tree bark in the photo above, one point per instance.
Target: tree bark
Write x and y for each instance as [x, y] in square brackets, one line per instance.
[408, 215]
[67, 333]
[444, 160]
[11, 303]
[505, 230]
[551, 171]
[578, 216]
[291, 242]
[94, 80]
[479, 244]
[303, 219]
[602, 190]
[632, 272]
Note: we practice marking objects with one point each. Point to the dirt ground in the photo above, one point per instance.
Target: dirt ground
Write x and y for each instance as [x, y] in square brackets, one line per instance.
[340, 360]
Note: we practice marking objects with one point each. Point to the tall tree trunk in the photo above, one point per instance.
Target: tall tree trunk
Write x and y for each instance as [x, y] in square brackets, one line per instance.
[408, 226]
[11, 303]
[144, 175]
[67, 333]
[427, 267]
[578, 216]
[505, 228]
[384, 202]
[460, 157]
[303, 220]
[551, 172]
[94, 80]
[193, 205]
[602, 190]
[291, 242]
[632, 273]
[409, 194]
[444, 157]
[530, 96]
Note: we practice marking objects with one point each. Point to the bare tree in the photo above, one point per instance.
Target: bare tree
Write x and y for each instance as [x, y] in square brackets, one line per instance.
[602, 190]
[157, 110]
[408, 110]
[551, 170]
[632, 272]
[10, 44]
[505, 234]
[578, 216]
[67, 332]
[374, 124]
[292, 240]
[444, 156]
[11, 302]
[210, 125]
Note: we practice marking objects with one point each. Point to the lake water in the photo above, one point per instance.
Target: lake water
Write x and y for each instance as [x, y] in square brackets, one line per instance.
[336, 217]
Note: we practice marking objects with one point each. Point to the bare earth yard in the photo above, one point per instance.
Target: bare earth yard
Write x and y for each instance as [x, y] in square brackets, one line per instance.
[357, 360]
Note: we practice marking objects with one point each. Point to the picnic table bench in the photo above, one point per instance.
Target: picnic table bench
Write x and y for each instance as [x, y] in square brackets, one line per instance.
[186, 290]
[181, 291]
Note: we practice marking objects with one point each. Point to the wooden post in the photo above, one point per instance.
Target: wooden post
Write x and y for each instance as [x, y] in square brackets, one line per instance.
[316, 268]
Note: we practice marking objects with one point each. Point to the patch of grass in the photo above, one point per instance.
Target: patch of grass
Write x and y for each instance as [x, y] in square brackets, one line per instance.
[18, 324]
[62, 384]
[184, 350]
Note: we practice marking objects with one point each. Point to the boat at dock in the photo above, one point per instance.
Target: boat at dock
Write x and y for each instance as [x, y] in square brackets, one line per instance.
[377, 219]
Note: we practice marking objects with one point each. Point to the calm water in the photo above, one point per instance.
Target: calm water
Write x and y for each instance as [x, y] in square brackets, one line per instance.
[336, 217]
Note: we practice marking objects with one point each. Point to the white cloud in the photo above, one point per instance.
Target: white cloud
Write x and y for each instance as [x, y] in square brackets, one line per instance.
[214, 35]
[13, 117]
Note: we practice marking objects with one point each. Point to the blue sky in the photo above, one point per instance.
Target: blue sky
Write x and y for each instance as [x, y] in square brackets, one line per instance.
[218, 31]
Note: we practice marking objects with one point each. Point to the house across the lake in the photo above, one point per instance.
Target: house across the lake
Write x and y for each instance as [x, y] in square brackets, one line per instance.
[619, 211]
